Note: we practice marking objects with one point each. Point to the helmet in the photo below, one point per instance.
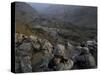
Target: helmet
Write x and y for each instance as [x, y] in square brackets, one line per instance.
[85, 50]
[59, 50]
[83, 44]
[78, 49]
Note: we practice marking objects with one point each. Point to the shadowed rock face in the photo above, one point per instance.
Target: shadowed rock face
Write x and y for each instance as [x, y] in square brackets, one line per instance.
[24, 15]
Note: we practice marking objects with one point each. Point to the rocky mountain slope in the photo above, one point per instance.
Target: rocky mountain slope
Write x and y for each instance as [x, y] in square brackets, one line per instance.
[24, 15]
[79, 15]
[38, 33]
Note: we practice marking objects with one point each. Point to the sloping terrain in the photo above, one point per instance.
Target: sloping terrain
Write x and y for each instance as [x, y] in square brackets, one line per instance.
[24, 15]
[38, 33]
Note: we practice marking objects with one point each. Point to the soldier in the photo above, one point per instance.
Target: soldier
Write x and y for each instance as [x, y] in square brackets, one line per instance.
[84, 60]
[20, 39]
[59, 61]
[44, 48]
[92, 45]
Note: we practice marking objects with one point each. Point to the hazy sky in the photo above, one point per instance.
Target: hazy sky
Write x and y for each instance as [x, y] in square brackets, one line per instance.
[39, 6]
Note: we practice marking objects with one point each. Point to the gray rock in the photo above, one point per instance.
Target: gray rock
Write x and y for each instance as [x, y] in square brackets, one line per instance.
[25, 46]
[26, 64]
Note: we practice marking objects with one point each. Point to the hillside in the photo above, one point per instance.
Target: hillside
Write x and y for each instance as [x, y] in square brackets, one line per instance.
[24, 15]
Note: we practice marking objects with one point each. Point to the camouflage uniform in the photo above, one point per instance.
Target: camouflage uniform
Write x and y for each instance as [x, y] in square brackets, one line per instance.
[42, 55]
[92, 45]
[23, 57]
[65, 63]
[84, 60]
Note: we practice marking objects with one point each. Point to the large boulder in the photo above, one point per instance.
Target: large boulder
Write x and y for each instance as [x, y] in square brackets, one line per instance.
[26, 64]
[34, 53]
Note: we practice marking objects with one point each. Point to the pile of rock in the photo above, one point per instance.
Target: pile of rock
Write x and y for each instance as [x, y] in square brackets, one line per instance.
[27, 48]
[34, 54]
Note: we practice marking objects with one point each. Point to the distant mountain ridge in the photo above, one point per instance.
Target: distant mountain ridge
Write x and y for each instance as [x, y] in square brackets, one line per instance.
[79, 15]
[78, 22]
